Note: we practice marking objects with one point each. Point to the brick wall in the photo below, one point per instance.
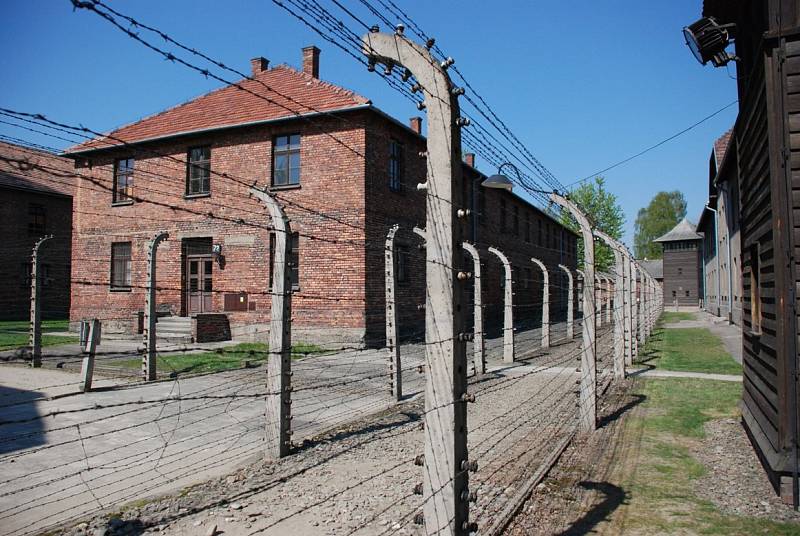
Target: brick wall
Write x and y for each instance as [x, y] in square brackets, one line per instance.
[343, 210]
[327, 211]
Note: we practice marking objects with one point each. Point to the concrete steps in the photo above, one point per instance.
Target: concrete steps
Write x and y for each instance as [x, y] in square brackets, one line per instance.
[174, 329]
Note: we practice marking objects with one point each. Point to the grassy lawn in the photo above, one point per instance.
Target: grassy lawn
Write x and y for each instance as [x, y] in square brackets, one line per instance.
[688, 349]
[676, 316]
[14, 333]
[657, 467]
[231, 357]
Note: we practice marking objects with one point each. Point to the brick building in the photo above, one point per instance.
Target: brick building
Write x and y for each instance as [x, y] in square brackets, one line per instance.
[344, 172]
[36, 189]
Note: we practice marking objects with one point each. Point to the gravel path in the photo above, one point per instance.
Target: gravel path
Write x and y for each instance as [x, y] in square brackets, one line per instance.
[360, 478]
[736, 482]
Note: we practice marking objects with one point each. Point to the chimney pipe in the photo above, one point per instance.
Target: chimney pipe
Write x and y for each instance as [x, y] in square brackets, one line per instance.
[416, 124]
[469, 158]
[258, 65]
[311, 61]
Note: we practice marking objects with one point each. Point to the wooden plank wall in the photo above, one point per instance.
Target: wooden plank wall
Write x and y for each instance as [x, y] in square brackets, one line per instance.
[760, 359]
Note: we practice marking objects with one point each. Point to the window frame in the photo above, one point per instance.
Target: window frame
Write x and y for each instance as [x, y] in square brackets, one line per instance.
[127, 267]
[37, 211]
[396, 167]
[293, 252]
[198, 164]
[126, 198]
[288, 151]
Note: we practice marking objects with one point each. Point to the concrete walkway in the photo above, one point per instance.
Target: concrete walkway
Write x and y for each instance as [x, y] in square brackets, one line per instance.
[729, 334]
[655, 373]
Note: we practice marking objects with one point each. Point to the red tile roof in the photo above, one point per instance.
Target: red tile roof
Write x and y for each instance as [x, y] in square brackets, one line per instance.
[721, 147]
[280, 92]
[22, 168]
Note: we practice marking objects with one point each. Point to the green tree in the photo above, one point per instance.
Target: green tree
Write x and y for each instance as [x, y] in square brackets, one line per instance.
[663, 213]
[605, 213]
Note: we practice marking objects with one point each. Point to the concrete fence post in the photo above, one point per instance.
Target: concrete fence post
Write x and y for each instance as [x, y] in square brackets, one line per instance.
[588, 393]
[619, 299]
[478, 342]
[279, 366]
[87, 366]
[570, 303]
[609, 298]
[635, 304]
[628, 308]
[508, 307]
[149, 365]
[35, 336]
[642, 305]
[392, 331]
[598, 299]
[545, 303]
[446, 476]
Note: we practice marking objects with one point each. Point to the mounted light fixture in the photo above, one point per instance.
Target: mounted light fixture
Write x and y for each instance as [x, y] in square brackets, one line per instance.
[500, 181]
[707, 39]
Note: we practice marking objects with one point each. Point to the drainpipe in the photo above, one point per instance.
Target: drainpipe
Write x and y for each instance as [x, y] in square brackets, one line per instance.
[716, 253]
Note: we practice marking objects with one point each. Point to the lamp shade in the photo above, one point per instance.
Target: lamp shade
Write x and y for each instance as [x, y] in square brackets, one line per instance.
[498, 181]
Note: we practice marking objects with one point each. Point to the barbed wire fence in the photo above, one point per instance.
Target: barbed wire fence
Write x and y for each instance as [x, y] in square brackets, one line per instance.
[76, 453]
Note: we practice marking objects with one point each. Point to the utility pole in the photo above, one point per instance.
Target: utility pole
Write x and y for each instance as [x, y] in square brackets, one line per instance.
[149, 365]
[478, 342]
[392, 331]
[279, 366]
[36, 304]
[570, 303]
[545, 303]
[588, 393]
[445, 484]
[508, 307]
[619, 314]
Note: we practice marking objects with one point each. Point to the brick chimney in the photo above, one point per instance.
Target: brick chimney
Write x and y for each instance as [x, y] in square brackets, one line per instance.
[469, 158]
[258, 65]
[416, 124]
[311, 61]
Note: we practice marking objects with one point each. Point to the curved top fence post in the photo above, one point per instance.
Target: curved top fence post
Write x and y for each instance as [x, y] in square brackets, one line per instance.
[588, 394]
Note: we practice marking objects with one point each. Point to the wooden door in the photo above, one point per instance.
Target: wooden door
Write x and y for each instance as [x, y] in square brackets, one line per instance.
[199, 284]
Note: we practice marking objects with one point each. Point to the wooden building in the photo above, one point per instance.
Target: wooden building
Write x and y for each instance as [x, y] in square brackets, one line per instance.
[766, 140]
[681, 264]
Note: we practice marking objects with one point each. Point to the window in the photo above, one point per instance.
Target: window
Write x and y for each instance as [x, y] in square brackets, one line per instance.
[36, 219]
[123, 181]
[481, 207]
[502, 215]
[401, 261]
[687, 293]
[528, 227]
[293, 252]
[121, 266]
[199, 171]
[286, 160]
[395, 166]
[680, 271]
[526, 283]
[674, 294]
[44, 274]
[755, 289]
[515, 222]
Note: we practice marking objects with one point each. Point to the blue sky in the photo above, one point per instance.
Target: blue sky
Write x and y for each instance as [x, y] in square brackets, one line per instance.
[583, 84]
